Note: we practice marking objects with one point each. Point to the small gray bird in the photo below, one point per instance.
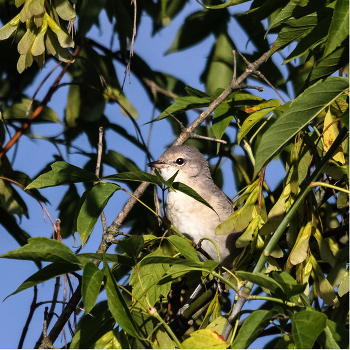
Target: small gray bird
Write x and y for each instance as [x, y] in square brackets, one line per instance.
[189, 216]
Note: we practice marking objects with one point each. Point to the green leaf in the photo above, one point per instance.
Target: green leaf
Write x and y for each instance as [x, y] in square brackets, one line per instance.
[117, 305]
[120, 162]
[9, 28]
[43, 249]
[240, 218]
[110, 340]
[9, 223]
[18, 112]
[330, 64]
[46, 273]
[289, 285]
[65, 10]
[200, 24]
[306, 327]
[91, 285]
[323, 287]
[62, 173]
[38, 47]
[182, 104]
[114, 258]
[55, 48]
[145, 280]
[317, 36]
[84, 104]
[63, 38]
[95, 200]
[140, 176]
[132, 246]
[334, 336]
[223, 116]
[184, 246]
[90, 329]
[251, 120]
[302, 110]
[224, 5]
[204, 339]
[27, 40]
[261, 280]
[164, 340]
[11, 201]
[339, 29]
[344, 284]
[255, 323]
[219, 70]
[179, 186]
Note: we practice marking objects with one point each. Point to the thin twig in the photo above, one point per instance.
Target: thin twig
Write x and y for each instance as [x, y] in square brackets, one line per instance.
[261, 181]
[260, 75]
[97, 171]
[131, 54]
[33, 306]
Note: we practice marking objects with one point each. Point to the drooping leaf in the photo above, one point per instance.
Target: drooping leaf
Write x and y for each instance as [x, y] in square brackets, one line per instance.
[303, 109]
[184, 246]
[95, 200]
[132, 246]
[179, 186]
[91, 285]
[65, 10]
[139, 176]
[334, 336]
[251, 120]
[339, 29]
[43, 249]
[46, 273]
[260, 279]
[9, 28]
[330, 133]
[90, 329]
[182, 104]
[117, 305]
[200, 24]
[18, 112]
[252, 326]
[62, 173]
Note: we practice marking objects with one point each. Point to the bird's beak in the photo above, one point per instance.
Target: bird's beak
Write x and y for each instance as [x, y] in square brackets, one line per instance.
[157, 164]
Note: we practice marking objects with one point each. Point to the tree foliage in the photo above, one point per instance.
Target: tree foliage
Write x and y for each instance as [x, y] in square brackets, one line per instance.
[294, 245]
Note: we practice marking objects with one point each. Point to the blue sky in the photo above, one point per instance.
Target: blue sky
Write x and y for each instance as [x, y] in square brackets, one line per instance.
[33, 155]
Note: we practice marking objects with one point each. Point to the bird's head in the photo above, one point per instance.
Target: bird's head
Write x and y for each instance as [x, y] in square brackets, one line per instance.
[190, 163]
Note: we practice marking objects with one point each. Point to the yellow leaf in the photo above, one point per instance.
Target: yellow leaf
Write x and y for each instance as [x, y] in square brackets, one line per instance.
[330, 134]
[299, 251]
[204, 339]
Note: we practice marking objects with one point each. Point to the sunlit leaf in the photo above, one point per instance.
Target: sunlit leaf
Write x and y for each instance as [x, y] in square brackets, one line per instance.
[302, 110]
[62, 173]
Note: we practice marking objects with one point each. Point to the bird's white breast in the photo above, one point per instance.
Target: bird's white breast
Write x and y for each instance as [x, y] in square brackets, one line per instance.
[196, 220]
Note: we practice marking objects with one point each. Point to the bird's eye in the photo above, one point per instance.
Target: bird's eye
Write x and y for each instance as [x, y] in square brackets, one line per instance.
[179, 161]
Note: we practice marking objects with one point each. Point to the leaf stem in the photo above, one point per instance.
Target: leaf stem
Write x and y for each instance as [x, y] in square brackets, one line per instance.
[258, 297]
[235, 288]
[316, 184]
[168, 329]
